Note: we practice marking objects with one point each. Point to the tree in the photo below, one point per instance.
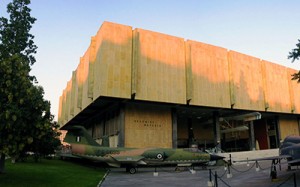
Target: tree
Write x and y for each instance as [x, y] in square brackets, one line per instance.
[24, 114]
[43, 133]
[47, 144]
[295, 55]
[44, 143]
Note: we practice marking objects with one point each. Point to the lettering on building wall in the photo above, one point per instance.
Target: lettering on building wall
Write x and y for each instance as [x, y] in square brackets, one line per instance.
[148, 123]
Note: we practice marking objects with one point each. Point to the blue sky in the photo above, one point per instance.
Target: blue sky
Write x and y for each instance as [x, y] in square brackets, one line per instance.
[264, 29]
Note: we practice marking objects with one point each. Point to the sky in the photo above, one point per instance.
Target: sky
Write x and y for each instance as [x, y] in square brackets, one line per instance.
[264, 29]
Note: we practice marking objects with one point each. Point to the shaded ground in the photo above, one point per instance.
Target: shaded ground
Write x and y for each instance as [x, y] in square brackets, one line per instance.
[242, 175]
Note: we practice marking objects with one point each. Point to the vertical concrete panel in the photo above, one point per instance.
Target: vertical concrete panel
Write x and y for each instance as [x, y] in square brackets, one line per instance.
[68, 100]
[294, 92]
[92, 58]
[59, 115]
[160, 66]
[80, 82]
[97, 78]
[210, 75]
[277, 92]
[135, 58]
[247, 82]
[189, 72]
[73, 87]
[147, 127]
[112, 72]
[63, 108]
[86, 100]
[264, 81]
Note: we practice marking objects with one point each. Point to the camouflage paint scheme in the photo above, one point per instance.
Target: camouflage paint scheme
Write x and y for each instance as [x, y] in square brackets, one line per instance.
[291, 146]
[81, 145]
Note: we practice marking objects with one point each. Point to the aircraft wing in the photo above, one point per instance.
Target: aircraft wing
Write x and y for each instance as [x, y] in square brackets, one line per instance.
[89, 157]
[128, 159]
[133, 160]
[267, 158]
[294, 161]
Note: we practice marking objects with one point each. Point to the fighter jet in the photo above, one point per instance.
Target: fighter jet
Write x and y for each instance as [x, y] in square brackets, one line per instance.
[291, 147]
[289, 150]
[79, 144]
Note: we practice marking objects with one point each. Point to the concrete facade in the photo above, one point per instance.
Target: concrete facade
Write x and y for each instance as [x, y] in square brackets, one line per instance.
[124, 70]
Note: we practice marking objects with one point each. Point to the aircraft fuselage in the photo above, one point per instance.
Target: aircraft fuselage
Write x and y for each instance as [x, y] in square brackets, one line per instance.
[150, 155]
[291, 146]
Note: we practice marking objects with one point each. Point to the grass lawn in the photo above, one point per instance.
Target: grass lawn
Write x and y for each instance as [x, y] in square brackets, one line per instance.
[52, 173]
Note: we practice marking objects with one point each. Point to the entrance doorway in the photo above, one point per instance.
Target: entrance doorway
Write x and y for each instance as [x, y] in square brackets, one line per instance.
[194, 132]
[235, 136]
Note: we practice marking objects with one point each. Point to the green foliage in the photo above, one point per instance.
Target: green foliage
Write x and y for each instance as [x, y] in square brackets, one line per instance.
[296, 76]
[44, 143]
[14, 33]
[25, 117]
[52, 173]
[295, 55]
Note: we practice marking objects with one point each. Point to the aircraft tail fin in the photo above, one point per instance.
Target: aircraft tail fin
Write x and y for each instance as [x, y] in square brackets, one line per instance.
[79, 135]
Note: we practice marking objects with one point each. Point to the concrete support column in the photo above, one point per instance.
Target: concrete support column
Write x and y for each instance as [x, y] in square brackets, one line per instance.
[252, 138]
[121, 135]
[191, 137]
[217, 132]
[278, 131]
[174, 128]
[298, 125]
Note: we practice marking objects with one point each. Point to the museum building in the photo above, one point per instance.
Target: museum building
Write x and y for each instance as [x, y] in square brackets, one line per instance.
[141, 88]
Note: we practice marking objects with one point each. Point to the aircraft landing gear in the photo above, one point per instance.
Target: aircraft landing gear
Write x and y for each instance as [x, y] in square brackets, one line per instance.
[273, 173]
[131, 170]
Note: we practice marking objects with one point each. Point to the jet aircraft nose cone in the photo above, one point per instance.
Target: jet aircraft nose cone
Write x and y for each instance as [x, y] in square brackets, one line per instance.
[216, 157]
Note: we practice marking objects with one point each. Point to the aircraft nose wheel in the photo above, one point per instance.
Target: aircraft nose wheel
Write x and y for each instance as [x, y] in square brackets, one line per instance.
[131, 170]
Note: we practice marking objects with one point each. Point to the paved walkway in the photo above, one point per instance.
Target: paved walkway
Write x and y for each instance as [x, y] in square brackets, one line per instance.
[242, 175]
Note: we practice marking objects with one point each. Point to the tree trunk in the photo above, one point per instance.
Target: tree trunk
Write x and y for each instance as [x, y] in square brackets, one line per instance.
[2, 163]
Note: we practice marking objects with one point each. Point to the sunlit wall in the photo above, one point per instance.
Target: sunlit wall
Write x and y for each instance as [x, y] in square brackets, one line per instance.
[122, 62]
